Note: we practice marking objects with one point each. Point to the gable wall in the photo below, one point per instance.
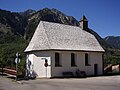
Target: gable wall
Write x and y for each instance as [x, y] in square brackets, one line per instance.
[38, 59]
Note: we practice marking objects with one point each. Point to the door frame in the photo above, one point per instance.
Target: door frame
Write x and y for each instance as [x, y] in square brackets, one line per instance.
[95, 69]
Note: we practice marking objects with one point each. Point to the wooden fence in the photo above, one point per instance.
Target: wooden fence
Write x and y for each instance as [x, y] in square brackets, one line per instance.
[8, 71]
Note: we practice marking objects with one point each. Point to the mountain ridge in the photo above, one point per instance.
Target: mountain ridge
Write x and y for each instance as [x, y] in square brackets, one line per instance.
[114, 41]
[24, 23]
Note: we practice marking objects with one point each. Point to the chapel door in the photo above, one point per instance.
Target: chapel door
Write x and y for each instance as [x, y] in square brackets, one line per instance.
[95, 69]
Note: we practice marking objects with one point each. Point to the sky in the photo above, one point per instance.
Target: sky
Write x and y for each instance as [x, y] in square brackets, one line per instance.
[103, 15]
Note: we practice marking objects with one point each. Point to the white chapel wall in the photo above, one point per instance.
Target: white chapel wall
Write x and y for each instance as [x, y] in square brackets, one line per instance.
[94, 58]
[39, 61]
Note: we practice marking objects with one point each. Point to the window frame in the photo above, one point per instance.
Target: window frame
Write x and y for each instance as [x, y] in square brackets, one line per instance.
[57, 59]
[73, 60]
[87, 59]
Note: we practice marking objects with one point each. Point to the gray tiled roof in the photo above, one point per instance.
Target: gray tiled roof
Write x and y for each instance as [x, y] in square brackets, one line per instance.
[54, 36]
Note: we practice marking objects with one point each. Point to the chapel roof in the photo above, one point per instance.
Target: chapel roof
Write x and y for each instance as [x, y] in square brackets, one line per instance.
[54, 36]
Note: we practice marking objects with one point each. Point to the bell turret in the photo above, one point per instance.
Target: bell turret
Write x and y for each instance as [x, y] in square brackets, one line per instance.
[84, 23]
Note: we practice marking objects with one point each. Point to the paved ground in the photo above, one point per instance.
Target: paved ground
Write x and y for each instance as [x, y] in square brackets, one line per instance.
[94, 83]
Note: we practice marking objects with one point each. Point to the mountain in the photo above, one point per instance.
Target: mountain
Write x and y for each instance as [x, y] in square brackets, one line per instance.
[50, 15]
[27, 13]
[114, 41]
[12, 23]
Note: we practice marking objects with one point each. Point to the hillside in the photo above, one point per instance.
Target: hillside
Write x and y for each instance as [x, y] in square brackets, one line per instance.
[12, 23]
[114, 41]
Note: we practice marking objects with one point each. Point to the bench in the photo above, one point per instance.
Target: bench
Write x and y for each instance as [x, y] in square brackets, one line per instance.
[68, 74]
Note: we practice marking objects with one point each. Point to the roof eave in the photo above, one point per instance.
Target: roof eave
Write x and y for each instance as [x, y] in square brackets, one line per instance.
[64, 50]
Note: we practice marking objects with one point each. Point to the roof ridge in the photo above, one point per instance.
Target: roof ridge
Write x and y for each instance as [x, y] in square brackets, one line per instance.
[60, 24]
[66, 25]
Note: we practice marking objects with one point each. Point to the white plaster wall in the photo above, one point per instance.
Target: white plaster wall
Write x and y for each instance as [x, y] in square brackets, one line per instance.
[94, 58]
[30, 57]
[37, 58]
[115, 68]
[38, 64]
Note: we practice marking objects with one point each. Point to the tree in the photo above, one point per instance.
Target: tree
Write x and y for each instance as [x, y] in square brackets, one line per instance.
[112, 59]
